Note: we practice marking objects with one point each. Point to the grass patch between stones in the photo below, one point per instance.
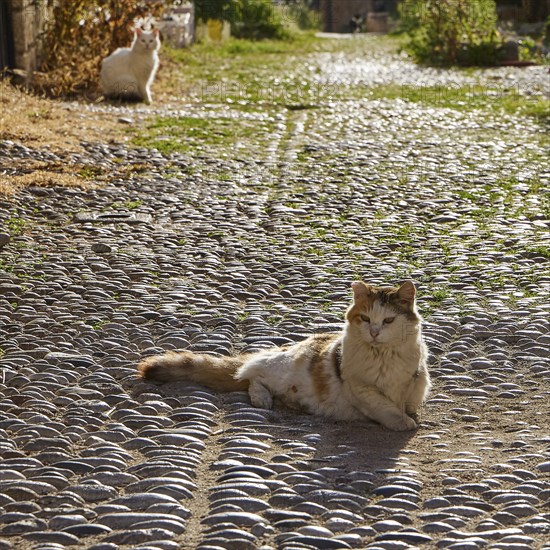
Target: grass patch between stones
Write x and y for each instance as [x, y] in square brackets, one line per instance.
[267, 72]
[187, 133]
[470, 97]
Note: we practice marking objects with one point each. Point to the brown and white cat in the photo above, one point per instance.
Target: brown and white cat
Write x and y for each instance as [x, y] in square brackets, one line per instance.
[375, 368]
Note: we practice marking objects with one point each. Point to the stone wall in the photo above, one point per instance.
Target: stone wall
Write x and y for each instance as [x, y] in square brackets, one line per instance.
[28, 19]
[178, 25]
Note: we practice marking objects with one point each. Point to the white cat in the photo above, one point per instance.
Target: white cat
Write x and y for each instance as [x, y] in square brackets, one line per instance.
[375, 368]
[129, 72]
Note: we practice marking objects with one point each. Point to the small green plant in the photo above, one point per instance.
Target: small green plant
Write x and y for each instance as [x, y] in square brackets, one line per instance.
[16, 225]
[89, 172]
[99, 324]
[451, 32]
[41, 113]
[133, 204]
[257, 19]
[241, 317]
[129, 204]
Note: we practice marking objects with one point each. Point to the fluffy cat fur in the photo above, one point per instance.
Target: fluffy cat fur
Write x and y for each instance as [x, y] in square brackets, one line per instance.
[375, 368]
[129, 72]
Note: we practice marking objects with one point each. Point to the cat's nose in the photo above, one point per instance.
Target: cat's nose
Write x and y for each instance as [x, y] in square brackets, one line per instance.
[374, 331]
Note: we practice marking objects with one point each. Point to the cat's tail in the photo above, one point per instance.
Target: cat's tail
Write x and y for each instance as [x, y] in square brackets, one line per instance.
[217, 373]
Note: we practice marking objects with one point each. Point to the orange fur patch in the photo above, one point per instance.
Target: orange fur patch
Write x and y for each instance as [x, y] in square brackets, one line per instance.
[216, 373]
[319, 378]
[318, 354]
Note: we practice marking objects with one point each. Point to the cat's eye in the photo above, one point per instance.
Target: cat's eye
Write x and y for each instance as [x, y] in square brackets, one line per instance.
[389, 320]
[365, 318]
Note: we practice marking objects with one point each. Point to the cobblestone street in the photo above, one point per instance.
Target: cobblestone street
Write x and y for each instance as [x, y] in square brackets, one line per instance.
[230, 249]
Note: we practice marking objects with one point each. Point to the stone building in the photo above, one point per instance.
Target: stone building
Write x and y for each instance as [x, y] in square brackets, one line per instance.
[523, 10]
[337, 14]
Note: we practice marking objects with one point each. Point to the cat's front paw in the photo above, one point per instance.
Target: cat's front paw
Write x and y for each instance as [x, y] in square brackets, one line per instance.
[261, 402]
[260, 396]
[402, 423]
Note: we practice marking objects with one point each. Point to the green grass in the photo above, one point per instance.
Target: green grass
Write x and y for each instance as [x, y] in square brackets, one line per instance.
[188, 133]
[540, 250]
[90, 172]
[243, 54]
[16, 225]
[273, 72]
[238, 60]
[278, 72]
[99, 324]
[467, 98]
[129, 204]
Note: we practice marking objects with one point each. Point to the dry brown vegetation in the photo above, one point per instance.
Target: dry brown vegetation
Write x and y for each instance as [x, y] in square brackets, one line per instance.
[42, 123]
[81, 34]
[60, 126]
[48, 174]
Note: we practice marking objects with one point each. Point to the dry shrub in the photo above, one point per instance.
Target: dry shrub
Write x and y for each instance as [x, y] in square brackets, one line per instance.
[81, 33]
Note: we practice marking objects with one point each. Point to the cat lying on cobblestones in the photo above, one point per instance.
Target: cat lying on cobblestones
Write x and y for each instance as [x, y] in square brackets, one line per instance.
[375, 368]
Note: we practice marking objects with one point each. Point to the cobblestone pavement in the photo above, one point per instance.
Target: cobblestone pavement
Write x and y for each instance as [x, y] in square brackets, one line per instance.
[239, 249]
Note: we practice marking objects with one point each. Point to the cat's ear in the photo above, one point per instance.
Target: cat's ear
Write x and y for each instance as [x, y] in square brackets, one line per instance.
[139, 31]
[407, 292]
[156, 32]
[360, 290]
